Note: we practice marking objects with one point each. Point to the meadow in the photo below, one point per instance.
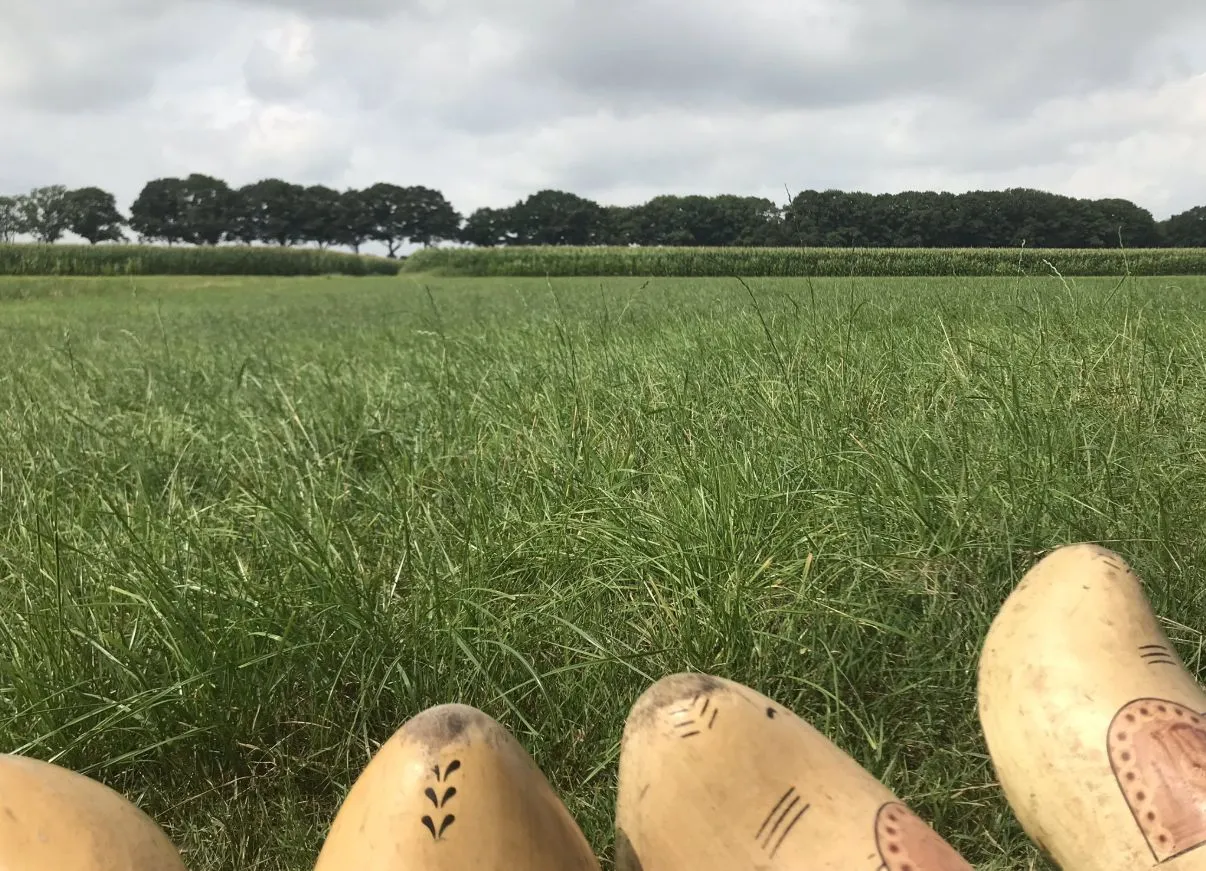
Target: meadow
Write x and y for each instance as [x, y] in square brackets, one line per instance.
[251, 525]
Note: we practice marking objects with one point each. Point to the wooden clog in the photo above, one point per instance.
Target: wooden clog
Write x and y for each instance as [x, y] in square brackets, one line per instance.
[715, 776]
[1093, 724]
[452, 789]
[52, 818]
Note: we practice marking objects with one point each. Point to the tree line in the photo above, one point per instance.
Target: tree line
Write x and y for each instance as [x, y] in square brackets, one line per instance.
[203, 210]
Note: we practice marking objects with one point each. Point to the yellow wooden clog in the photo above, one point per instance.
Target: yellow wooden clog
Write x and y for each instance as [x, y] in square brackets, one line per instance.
[452, 789]
[1093, 724]
[715, 776]
[52, 818]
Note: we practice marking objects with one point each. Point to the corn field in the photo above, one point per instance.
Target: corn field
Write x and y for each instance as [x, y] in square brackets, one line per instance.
[185, 260]
[789, 262]
[567, 261]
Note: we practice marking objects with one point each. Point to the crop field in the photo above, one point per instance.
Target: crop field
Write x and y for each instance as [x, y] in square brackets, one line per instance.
[251, 525]
[566, 261]
[670, 261]
[190, 260]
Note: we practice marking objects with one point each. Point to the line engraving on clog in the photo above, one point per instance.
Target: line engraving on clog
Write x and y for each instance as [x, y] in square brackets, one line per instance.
[693, 719]
[906, 843]
[1107, 556]
[1158, 654]
[787, 805]
[1157, 751]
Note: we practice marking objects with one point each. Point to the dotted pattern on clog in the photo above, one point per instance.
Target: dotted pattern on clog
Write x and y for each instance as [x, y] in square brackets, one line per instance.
[1157, 750]
[906, 843]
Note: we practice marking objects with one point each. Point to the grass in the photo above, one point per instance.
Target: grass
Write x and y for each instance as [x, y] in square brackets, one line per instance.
[251, 526]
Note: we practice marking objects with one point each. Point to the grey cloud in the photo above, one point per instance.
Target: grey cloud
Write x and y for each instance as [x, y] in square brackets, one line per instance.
[24, 168]
[69, 56]
[633, 56]
[276, 73]
[490, 99]
[60, 90]
[629, 57]
[71, 76]
[655, 54]
[459, 72]
[350, 10]
[722, 154]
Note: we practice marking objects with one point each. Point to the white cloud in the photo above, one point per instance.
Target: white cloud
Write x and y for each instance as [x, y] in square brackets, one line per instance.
[282, 64]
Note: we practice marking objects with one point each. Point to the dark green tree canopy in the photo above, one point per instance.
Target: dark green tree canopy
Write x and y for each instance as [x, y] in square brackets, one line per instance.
[44, 213]
[203, 210]
[92, 214]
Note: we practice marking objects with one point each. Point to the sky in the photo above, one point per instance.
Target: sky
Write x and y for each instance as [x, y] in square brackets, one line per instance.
[491, 100]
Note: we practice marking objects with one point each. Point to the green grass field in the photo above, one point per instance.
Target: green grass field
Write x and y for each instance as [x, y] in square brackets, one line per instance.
[250, 526]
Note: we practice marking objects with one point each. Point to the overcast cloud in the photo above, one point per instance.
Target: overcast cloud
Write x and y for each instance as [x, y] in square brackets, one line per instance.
[618, 100]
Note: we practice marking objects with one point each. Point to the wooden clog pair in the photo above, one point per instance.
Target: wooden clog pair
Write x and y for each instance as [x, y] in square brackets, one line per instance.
[1094, 726]
[713, 775]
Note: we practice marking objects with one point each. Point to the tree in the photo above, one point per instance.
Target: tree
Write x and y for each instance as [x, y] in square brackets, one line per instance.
[813, 217]
[1121, 222]
[619, 226]
[388, 208]
[43, 212]
[354, 224]
[663, 220]
[920, 219]
[203, 210]
[974, 219]
[92, 215]
[428, 216]
[206, 207]
[486, 228]
[321, 208]
[1186, 230]
[196, 209]
[551, 217]
[243, 224]
[841, 218]
[698, 220]
[10, 219]
[157, 212]
[270, 210]
[747, 221]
